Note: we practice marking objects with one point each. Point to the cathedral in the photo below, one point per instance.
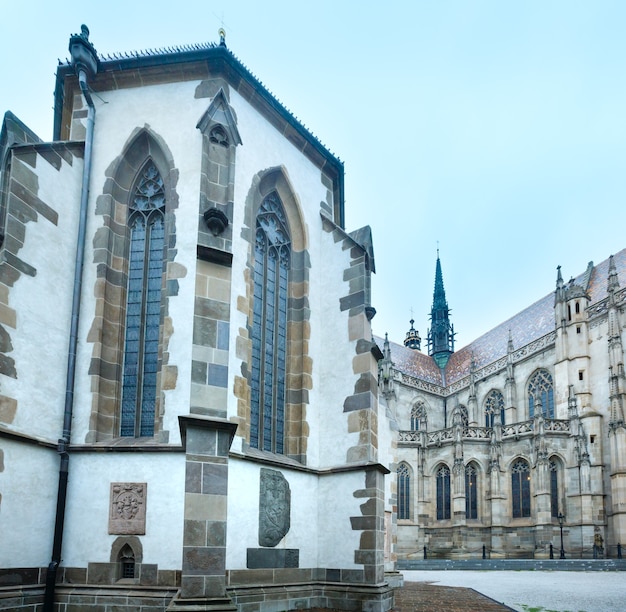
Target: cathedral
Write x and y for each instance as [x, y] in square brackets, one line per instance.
[194, 411]
[504, 443]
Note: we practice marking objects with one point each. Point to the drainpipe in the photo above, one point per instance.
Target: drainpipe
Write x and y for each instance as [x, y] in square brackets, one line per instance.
[85, 62]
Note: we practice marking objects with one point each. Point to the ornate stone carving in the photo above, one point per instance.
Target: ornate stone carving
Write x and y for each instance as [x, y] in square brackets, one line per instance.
[127, 515]
[274, 507]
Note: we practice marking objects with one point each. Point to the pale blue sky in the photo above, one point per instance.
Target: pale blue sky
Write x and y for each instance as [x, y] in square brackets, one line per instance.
[495, 127]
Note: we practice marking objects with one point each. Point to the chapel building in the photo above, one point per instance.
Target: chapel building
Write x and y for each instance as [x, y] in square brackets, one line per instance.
[189, 414]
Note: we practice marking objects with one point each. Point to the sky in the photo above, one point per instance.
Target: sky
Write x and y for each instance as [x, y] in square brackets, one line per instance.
[494, 130]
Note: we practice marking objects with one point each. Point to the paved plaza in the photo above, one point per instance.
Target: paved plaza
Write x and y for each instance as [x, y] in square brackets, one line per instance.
[519, 590]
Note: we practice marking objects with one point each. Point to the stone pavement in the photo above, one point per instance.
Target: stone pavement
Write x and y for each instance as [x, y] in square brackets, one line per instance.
[428, 597]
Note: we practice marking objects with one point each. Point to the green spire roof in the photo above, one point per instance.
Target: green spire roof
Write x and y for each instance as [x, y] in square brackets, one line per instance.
[441, 332]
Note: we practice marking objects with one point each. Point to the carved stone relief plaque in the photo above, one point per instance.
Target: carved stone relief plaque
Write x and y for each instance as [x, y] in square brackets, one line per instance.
[127, 513]
[274, 507]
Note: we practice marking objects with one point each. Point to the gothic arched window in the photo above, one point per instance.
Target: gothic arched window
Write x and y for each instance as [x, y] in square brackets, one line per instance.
[443, 493]
[471, 491]
[418, 415]
[494, 404]
[146, 220]
[520, 488]
[272, 260]
[126, 563]
[554, 487]
[404, 491]
[540, 388]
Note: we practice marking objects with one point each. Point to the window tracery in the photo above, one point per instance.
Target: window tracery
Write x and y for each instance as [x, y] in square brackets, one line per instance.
[269, 326]
[520, 488]
[418, 415]
[540, 388]
[494, 404]
[143, 304]
[404, 491]
[443, 493]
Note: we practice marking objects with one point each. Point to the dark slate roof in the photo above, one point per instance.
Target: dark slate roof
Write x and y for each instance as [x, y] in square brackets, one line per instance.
[172, 61]
[526, 326]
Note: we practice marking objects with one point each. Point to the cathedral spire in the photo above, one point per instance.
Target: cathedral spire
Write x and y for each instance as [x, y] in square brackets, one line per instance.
[441, 334]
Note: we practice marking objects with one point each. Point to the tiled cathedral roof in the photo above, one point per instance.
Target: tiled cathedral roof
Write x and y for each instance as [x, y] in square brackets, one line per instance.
[526, 326]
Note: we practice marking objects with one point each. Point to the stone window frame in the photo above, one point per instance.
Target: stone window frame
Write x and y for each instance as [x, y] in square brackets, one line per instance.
[111, 250]
[494, 395]
[299, 379]
[544, 381]
[117, 548]
[404, 478]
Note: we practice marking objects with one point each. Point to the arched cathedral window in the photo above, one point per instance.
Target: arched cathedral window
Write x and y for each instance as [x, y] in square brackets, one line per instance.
[520, 488]
[494, 404]
[272, 260]
[540, 388]
[418, 415]
[554, 487]
[471, 491]
[143, 303]
[443, 493]
[404, 491]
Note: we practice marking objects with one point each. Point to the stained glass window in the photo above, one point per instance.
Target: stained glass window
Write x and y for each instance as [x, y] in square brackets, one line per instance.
[471, 492]
[520, 488]
[554, 488]
[404, 492]
[540, 388]
[269, 326]
[443, 493]
[143, 304]
[494, 404]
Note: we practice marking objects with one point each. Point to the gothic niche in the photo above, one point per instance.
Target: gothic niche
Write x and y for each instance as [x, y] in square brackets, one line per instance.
[274, 507]
[127, 514]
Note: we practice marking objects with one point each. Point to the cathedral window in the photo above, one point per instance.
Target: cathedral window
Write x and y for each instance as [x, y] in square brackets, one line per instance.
[577, 308]
[471, 491]
[143, 303]
[540, 388]
[418, 415]
[404, 491]
[272, 262]
[494, 404]
[443, 493]
[554, 488]
[520, 489]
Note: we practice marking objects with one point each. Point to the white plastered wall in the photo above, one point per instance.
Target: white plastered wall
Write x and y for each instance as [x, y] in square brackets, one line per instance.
[321, 507]
[28, 486]
[87, 519]
[43, 306]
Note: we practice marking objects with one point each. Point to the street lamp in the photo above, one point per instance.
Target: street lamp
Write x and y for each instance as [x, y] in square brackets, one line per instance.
[561, 518]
